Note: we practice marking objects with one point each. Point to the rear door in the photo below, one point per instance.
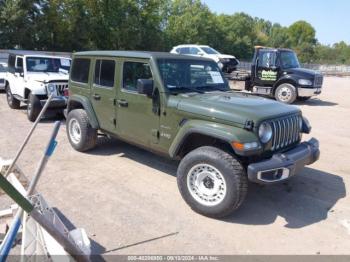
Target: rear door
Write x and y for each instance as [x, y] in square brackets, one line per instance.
[266, 71]
[104, 92]
[137, 120]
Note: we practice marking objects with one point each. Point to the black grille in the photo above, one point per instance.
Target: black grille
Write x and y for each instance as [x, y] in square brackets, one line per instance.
[318, 81]
[60, 87]
[285, 131]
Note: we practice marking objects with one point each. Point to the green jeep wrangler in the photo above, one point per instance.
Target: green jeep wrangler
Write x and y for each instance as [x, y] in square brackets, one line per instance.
[182, 107]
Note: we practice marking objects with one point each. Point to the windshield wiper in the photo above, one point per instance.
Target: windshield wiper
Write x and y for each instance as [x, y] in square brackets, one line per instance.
[188, 88]
[216, 88]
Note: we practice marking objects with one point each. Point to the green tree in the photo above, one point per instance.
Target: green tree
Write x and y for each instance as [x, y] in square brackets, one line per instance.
[302, 39]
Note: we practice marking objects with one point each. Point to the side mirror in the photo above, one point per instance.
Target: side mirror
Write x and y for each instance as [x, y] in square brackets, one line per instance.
[200, 53]
[145, 86]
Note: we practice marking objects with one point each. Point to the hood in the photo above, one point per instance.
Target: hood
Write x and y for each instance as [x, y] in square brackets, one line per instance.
[303, 72]
[234, 107]
[47, 77]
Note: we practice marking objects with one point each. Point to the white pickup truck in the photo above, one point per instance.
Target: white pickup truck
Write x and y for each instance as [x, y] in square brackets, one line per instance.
[31, 78]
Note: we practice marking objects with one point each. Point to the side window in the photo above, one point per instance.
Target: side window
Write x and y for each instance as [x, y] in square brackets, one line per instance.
[80, 70]
[194, 50]
[11, 63]
[104, 73]
[267, 59]
[132, 71]
[19, 62]
[184, 50]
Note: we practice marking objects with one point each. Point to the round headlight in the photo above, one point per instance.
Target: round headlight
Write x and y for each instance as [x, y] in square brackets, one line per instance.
[51, 87]
[265, 132]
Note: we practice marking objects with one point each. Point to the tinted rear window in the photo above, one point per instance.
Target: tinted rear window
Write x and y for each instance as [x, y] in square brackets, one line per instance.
[80, 70]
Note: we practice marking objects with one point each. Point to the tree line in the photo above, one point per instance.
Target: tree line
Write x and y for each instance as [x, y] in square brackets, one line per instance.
[154, 25]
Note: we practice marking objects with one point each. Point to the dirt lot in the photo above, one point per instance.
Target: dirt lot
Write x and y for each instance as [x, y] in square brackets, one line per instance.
[128, 202]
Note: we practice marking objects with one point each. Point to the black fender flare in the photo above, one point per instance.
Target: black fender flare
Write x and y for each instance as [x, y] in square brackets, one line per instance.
[77, 101]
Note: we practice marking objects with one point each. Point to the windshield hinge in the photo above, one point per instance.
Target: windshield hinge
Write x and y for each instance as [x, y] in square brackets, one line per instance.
[249, 125]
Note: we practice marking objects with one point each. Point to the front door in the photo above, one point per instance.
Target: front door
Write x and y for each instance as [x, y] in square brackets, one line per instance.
[17, 85]
[104, 92]
[266, 71]
[137, 119]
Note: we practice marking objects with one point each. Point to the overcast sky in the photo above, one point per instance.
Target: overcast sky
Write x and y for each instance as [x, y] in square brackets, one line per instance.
[331, 19]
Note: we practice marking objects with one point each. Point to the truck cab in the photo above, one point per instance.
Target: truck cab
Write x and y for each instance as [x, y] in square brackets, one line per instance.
[276, 72]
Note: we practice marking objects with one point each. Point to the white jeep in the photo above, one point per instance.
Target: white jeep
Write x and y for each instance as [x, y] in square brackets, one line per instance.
[3, 69]
[31, 78]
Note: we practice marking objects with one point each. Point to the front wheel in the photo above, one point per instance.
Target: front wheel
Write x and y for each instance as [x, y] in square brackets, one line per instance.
[33, 107]
[82, 136]
[11, 100]
[286, 93]
[212, 182]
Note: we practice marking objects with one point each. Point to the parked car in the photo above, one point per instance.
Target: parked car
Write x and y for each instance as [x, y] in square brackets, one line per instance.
[182, 107]
[3, 69]
[227, 63]
[32, 77]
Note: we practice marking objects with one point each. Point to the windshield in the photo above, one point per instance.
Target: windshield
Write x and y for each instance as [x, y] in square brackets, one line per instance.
[209, 50]
[289, 60]
[48, 64]
[191, 75]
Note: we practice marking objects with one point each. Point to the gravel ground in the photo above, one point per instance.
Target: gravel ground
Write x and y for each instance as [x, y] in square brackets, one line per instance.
[128, 202]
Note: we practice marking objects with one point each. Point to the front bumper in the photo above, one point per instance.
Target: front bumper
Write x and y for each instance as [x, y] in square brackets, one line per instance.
[282, 166]
[313, 91]
[56, 102]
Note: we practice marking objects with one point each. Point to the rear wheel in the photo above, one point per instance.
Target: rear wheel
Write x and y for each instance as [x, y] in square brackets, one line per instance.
[212, 182]
[82, 136]
[286, 93]
[11, 100]
[33, 107]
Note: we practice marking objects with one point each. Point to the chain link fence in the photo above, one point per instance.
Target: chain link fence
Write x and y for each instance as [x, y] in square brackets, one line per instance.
[332, 70]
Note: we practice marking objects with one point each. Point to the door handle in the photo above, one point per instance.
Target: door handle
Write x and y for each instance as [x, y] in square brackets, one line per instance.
[123, 102]
[97, 97]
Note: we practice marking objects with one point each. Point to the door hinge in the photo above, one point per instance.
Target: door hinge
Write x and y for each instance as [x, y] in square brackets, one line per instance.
[114, 122]
[114, 101]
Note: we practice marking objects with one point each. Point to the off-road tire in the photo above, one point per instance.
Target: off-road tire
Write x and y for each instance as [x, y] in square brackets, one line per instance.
[304, 98]
[11, 100]
[88, 134]
[232, 171]
[291, 93]
[33, 107]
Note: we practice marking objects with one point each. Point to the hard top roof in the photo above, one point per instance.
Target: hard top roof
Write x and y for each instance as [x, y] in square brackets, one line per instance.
[39, 53]
[139, 54]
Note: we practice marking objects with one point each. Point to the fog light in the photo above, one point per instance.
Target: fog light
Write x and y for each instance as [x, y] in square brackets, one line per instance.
[274, 175]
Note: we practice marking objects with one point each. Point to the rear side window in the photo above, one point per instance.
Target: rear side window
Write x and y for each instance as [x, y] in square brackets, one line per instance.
[11, 62]
[184, 50]
[132, 71]
[104, 73]
[80, 70]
